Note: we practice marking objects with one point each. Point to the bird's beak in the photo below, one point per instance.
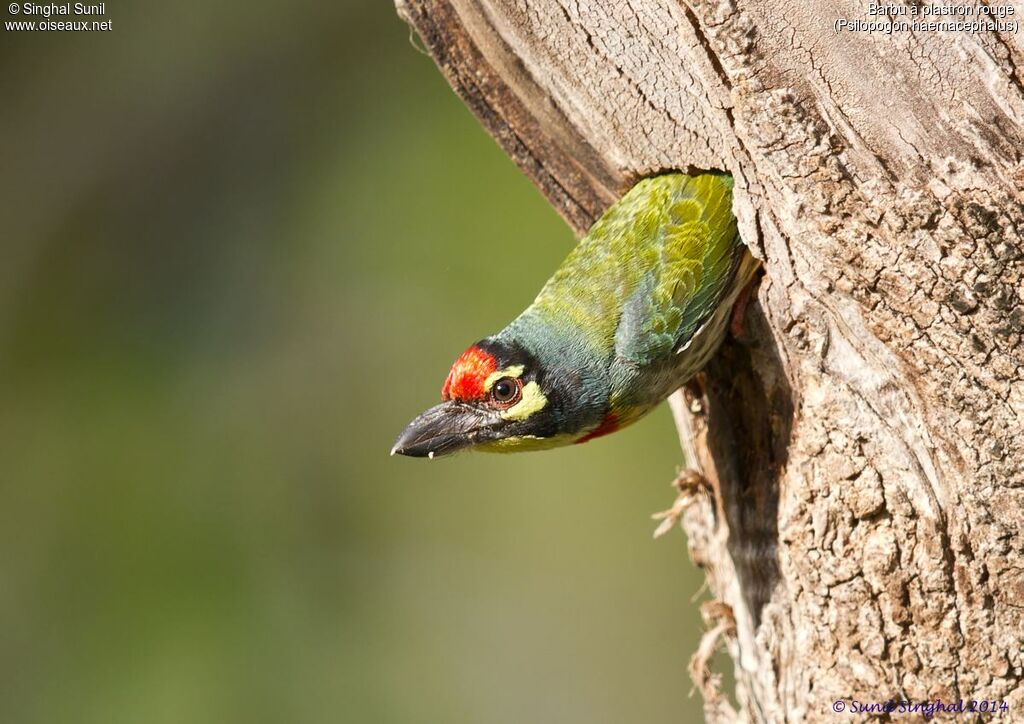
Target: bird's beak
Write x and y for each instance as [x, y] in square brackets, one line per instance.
[444, 429]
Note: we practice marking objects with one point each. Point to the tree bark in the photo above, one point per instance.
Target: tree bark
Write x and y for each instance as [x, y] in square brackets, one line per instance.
[863, 441]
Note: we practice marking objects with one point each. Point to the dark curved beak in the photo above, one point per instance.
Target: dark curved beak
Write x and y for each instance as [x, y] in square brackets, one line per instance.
[444, 429]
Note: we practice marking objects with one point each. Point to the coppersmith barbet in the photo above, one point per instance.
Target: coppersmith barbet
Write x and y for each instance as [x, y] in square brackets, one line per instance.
[636, 309]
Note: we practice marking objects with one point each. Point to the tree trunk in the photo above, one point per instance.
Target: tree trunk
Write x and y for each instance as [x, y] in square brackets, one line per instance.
[863, 440]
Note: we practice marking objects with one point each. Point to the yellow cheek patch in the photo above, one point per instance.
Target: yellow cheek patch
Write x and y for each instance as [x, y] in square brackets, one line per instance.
[533, 401]
[513, 371]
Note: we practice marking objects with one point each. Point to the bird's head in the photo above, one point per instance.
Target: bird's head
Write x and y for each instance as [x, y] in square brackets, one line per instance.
[497, 397]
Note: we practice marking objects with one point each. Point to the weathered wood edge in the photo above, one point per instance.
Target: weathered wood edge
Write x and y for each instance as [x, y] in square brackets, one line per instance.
[580, 194]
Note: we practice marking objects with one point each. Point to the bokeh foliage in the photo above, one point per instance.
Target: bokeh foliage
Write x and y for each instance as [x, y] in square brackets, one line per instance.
[241, 245]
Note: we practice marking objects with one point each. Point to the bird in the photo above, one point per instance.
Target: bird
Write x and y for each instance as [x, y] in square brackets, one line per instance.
[637, 308]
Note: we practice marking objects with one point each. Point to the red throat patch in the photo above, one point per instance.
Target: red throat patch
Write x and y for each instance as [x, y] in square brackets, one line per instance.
[466, 378]
[608, 425]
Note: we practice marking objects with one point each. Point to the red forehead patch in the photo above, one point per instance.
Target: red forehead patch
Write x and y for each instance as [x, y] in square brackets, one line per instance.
[466, 378]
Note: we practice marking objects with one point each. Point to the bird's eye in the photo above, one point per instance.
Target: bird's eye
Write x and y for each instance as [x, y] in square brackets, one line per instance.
[506, 391]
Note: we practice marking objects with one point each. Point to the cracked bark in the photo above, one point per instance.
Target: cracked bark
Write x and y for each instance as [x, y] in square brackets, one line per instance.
[864, 443]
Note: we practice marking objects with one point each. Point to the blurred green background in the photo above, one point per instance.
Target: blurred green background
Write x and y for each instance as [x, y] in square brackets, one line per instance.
[241, 245]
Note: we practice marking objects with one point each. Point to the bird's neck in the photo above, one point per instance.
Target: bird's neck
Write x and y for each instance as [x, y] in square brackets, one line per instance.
[575, 372]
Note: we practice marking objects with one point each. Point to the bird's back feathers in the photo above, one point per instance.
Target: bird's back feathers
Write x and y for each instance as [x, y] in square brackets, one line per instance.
[652, 268]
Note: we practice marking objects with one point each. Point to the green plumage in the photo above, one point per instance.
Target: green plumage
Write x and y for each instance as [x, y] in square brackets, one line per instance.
[650, 274]
[636, 309]
[656, 262]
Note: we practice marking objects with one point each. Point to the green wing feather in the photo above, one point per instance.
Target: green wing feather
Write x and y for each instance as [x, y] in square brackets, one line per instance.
[651, 270]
